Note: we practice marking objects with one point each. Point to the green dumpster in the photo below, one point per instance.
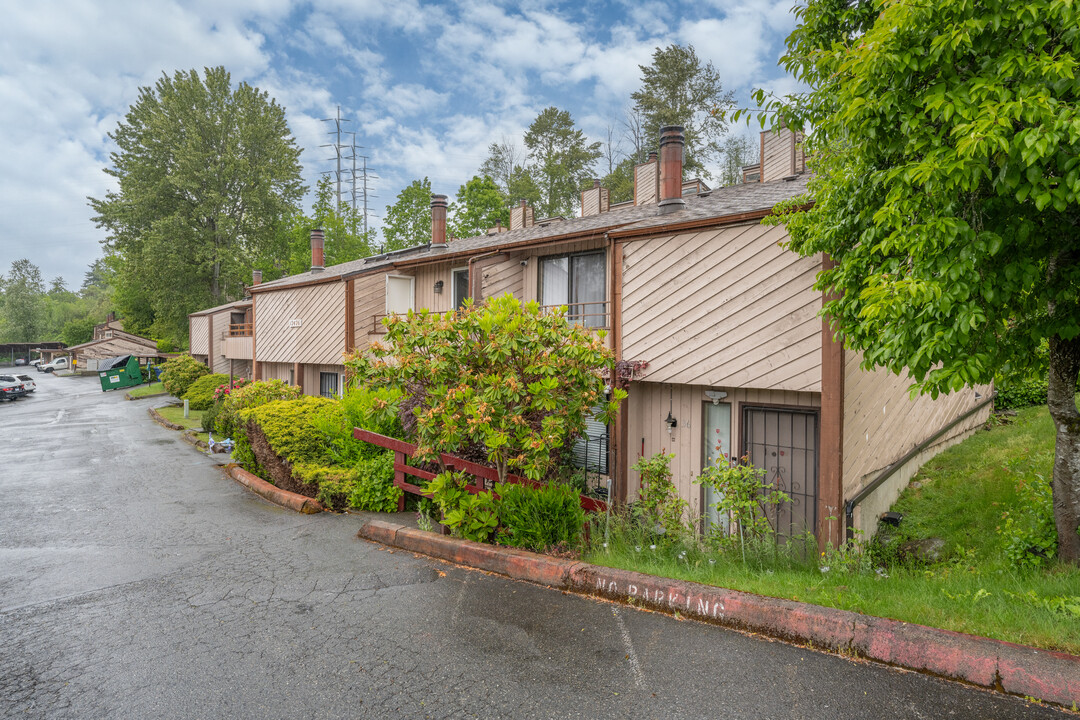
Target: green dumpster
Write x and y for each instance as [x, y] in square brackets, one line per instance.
[119, 372]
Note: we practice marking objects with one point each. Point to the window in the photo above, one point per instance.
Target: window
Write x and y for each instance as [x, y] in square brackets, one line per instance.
[108, 333]
[579, 282]
[461, 286]
[328, 384]
[590, 451]
[399, 294]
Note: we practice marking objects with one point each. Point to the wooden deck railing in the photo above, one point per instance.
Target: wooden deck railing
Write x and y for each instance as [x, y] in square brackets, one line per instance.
[404, 450]
[240, 330]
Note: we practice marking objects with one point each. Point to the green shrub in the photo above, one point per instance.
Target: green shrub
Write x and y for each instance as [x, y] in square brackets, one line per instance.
[1020, 392]
[289, 428]
[658, 505]
[374, 410]
[250, 396]
[539, 518]
[179, 373]
[366, 485]
[468, 516]
[200, 395]
[210, 415]
[165, 346]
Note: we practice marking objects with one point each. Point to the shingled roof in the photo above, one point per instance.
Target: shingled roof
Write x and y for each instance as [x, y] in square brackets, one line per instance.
[726, 202]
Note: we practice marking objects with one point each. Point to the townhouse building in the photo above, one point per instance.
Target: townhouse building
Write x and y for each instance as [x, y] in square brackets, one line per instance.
[686, 280]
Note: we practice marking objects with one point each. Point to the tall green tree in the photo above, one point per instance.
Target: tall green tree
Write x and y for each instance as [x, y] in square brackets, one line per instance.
[677, 89]
[207, 175]
[508, 167]
[736, 152]
[343, 232]
[408, 220]
[562, 160]
[946, 147]
[480, 205]
[22, 313]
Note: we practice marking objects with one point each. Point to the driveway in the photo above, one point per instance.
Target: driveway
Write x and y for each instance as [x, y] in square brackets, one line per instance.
[136, 581]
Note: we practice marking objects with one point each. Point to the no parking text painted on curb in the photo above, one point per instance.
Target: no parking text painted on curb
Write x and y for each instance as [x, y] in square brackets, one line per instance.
[1006, 667]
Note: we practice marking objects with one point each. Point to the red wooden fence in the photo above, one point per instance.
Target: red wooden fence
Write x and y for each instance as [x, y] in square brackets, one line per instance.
[403, 450]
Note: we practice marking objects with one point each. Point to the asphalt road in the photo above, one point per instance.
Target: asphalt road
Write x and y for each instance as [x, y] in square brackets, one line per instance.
[136, 581]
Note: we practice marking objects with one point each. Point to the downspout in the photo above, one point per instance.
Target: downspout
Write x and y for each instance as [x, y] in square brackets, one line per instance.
[849, 506]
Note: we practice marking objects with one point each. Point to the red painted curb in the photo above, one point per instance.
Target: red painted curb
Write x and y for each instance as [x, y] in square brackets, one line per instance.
[1015, 669]
[284, 498]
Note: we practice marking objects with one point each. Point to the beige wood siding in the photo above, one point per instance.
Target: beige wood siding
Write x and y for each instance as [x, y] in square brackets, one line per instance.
[312, 378]
[369, 301]
[238, 348]
[426, 297]
[240, 369]
[278, 371]
[320, 312]
[647, 183]
[723, 307]
[595, 200]
[648, 408]
[221, 332]
[776, 162]
[882, 423]
[197, 335]
[521, 217]
[502, 274]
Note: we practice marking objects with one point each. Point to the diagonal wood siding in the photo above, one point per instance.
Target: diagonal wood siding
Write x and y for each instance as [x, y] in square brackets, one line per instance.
[723, 307]
[503, 274]
[320, 339]
[197, 335]
[369, 300]
[218, 361]
[882, 423]
[647, 183]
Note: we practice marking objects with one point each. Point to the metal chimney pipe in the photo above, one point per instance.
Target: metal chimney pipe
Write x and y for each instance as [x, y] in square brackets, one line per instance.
[317, 242]
[671, 169]
[438, 222]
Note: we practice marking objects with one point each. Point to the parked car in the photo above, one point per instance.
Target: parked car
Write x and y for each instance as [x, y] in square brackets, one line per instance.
[20, 361]
[10, 388]
[36, 362]
[28, 382]
[60, 363]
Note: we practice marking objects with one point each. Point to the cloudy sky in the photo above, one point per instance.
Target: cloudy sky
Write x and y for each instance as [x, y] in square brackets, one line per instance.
[427, 86]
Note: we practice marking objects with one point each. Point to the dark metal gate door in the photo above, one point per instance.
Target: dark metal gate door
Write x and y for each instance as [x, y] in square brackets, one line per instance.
[784, 443]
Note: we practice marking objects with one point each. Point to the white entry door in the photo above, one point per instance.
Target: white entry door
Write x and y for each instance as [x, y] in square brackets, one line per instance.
[717, 443]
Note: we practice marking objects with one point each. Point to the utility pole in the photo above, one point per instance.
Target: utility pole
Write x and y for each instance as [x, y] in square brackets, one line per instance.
[336, 134]
[352, 173]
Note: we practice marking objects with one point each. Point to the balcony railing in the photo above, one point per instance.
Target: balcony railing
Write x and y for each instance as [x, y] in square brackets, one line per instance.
[590, 315]
[240, 330]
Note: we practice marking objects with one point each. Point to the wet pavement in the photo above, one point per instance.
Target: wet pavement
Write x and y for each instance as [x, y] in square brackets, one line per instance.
[136, 581]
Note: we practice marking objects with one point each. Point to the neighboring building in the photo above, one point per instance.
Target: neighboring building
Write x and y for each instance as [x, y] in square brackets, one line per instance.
[111, 341]
[222, 337]
[684, 278]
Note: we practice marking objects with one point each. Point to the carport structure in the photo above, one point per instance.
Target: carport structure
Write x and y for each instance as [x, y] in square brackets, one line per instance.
[11, 351]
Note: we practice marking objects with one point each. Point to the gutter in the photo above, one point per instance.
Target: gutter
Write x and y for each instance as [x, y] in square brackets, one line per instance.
[849, 506]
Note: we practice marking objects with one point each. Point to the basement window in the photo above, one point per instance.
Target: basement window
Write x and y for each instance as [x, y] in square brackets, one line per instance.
[328, 384]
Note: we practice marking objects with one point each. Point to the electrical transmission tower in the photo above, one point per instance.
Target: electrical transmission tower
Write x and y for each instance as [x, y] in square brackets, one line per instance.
[350, 174]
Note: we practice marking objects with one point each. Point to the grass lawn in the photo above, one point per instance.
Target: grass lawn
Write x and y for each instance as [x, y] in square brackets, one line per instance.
[144, 390]
[962, 495]
[175, 414]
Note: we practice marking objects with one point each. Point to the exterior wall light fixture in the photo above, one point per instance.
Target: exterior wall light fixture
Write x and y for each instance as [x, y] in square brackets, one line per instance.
[438, 287]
